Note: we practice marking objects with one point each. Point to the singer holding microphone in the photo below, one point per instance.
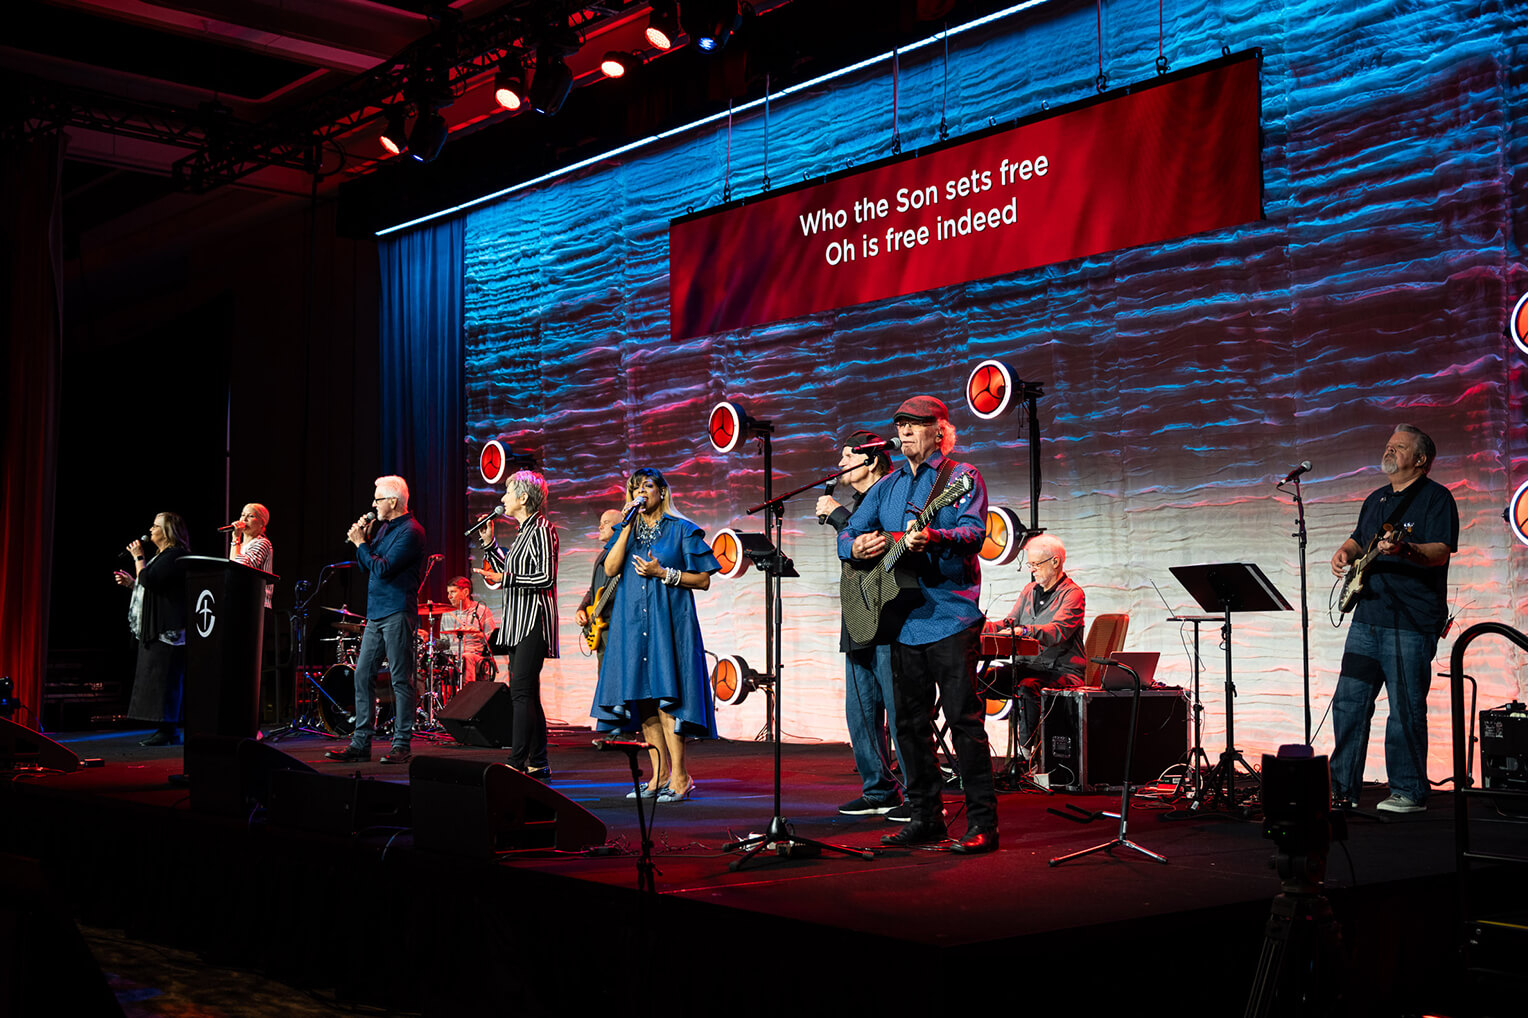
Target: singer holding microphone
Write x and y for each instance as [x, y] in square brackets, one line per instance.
[529, 627]
[250, 545]
[158, 619]
[392, 555]
[653, 675]
[868, 704]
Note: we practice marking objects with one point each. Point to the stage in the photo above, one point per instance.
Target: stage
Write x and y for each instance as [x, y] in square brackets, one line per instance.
[373, 921]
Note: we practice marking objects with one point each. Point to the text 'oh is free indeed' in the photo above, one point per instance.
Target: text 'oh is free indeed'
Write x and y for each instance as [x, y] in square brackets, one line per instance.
[968, 221]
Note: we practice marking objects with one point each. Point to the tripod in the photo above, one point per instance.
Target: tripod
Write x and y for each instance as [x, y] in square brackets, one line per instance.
[766, 555]
[297, 622]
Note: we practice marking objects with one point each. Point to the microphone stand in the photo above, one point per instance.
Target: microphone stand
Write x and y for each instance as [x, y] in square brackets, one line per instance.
[297, 626]
[645, 867]
[1304, 599]
[775, 566]
[1082, 816]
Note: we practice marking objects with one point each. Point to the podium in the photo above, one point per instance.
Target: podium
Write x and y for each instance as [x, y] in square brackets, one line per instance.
[225, 623]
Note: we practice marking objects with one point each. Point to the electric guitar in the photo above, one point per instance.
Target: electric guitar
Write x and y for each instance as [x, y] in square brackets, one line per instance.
[864, 591]
[599, 616]
[1353, 583]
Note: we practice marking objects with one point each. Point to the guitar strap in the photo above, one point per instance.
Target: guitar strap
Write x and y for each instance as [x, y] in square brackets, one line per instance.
[942, 478]
[1405, 503]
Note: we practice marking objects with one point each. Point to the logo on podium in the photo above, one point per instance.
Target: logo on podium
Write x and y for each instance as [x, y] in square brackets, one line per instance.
[206, 614]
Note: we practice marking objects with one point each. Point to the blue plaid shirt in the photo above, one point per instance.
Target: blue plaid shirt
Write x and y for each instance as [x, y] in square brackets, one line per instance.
[949, 572]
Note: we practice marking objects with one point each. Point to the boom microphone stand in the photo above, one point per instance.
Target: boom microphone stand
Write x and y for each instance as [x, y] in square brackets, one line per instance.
[1294, 478]
[775, 565]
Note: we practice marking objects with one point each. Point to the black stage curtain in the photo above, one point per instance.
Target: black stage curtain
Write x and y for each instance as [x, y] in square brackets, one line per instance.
[423, 383]
[31, 265]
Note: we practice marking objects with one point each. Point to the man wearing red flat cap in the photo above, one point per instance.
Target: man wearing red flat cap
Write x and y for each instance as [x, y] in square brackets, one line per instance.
[936, 620]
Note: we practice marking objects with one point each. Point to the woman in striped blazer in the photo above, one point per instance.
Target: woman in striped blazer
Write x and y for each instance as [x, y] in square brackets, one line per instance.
[529, 626]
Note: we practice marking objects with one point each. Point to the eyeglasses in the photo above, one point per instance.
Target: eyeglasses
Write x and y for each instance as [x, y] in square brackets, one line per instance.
[1037, 565]
[384, 498]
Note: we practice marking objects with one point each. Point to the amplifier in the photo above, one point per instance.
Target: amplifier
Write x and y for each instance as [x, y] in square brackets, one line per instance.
[1083, 734]
[1504, 748]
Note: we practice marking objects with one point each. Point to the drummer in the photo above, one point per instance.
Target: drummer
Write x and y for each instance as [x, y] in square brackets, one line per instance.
[468, 624]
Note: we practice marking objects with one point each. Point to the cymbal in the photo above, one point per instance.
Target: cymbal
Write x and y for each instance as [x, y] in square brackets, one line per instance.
[431, 608]
[343, 611]
[355, 628]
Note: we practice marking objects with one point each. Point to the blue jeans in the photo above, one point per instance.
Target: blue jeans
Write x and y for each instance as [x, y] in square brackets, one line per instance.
[395, 635]
[1400, 660]
[868, 707]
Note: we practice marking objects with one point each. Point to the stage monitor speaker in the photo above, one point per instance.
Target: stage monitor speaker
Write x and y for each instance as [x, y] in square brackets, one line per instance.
[482, 714]
[339, 804]
[21, 747]
[479, 810]
[230, 775]
[1083, 733]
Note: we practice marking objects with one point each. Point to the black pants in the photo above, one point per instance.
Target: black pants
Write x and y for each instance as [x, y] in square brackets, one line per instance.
[527, 751]
[949, 666]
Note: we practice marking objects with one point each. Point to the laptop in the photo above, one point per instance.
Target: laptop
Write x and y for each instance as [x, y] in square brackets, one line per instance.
[1143, 661]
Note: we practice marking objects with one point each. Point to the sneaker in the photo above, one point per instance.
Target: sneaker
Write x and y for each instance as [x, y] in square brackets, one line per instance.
[863, 807]
[901, 813]
[1400, 804]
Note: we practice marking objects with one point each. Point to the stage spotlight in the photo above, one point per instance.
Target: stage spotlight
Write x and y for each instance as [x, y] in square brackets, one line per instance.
[551, 83]
[428, 137]
[1517, 512]
[710, 23]
[509, 83]
[1517, 324]
[393, 137]
[727, 546]
[616, 64]
[663, 24]
[1005, 536]
[732, 680]
[728, 426]
[989, 389]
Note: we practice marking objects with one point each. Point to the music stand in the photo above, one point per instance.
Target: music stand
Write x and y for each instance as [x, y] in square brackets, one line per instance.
[1227, 587]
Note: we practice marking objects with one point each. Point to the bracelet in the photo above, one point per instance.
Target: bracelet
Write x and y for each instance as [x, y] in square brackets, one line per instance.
[671, 577]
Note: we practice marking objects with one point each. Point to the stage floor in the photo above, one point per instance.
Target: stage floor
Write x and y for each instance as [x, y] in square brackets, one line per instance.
[1200, 916]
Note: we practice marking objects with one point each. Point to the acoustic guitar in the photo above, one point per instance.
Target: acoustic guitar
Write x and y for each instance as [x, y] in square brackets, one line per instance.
[865, 591]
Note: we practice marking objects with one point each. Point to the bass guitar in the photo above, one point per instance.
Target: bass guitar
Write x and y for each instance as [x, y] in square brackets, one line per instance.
[865, 591]
[599, 616]
[1353, 582]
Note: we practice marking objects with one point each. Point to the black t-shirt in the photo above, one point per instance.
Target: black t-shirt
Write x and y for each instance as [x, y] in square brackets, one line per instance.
[1399, 594]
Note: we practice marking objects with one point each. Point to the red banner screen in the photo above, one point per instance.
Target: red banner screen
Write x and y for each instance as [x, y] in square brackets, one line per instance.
[1164, 160]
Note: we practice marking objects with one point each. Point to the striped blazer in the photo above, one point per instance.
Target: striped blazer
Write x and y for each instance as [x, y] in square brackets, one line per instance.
[530, 582]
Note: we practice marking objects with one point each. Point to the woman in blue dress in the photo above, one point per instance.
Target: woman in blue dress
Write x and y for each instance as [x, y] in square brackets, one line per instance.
[654, 672]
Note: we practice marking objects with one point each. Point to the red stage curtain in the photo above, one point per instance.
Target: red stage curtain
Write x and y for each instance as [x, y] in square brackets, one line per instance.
[31, 256]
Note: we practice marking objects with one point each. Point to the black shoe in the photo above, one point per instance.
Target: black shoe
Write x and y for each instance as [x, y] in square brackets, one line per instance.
[542, 774]
[163, 737]
[863, 807]
[919, 832]
[350, 754]
[977, 841]
[397, 755]
[902, 813]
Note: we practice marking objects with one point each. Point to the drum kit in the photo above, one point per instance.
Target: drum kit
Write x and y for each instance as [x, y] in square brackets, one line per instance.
[437, 672]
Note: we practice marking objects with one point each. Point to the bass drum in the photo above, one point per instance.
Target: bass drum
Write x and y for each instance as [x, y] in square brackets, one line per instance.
[336, 699]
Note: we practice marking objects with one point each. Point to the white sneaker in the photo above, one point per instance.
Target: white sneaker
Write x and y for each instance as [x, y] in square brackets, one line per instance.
[1400, 804]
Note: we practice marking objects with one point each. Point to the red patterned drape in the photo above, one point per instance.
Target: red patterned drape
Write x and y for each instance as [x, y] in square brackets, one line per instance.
[31, 256]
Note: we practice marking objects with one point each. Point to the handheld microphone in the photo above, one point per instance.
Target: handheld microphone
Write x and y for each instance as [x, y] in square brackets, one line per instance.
[1296, 472]
[145, 540]
[230, 526]
[498, 511]
[885, 443]
[827, 489]
[371, 516]
[636, 504]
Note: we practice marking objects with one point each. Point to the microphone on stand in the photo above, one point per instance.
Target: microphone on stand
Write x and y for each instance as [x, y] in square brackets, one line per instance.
[827, 489]
[885, 443]
[1296, 472]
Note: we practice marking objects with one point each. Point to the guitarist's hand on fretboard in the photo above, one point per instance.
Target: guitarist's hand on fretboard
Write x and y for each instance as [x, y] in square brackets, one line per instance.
[917, 537]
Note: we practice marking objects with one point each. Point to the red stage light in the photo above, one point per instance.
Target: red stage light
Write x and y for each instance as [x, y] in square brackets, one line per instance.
[725, 427]
[492, 461]
[727, 546]
[1517, 512]
[1001, 545]
[989, 389]
[1517, 324]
